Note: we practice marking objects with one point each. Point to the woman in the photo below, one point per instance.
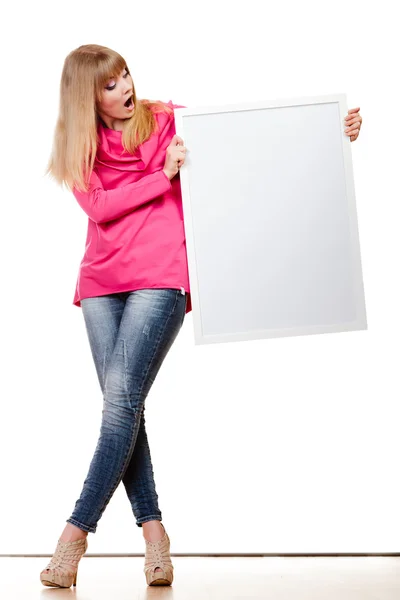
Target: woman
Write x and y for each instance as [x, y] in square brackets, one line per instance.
[120, 157]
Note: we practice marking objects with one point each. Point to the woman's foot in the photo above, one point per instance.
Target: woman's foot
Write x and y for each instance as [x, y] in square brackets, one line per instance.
[62, 570]
[158, 557]
[152, 532]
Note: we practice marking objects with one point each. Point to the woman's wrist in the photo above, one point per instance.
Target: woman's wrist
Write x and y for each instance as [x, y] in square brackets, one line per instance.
[168, 174]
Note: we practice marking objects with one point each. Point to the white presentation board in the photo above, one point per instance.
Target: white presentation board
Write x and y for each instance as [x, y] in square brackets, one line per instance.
[270, 219]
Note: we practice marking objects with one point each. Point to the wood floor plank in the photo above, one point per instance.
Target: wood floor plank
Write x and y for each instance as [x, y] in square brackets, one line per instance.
[216, 578]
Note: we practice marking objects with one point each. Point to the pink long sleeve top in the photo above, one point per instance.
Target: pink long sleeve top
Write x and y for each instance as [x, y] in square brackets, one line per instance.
[135, 235]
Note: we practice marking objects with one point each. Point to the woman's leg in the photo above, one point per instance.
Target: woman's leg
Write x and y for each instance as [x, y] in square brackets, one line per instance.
[130, 335]
[139, 476]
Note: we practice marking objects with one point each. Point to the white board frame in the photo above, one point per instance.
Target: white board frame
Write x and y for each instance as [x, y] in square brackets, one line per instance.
[227, 170]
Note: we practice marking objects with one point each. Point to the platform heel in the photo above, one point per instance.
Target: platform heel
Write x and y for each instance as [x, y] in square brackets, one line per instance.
[62, 570]
[158, 555]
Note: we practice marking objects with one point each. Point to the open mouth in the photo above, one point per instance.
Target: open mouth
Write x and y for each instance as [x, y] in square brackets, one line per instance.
[128, 103]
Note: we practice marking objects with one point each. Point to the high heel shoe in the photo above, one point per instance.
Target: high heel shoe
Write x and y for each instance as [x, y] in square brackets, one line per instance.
[62, 570]
[157, 555]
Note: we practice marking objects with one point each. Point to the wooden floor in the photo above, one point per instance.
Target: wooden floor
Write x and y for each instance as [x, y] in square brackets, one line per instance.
[233, 578]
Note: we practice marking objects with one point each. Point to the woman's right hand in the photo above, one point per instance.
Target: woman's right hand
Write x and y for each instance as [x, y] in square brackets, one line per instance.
[175, 157]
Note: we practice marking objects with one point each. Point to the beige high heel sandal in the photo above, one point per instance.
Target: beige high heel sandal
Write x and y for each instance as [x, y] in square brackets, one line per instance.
[62, 570]
[158, 555]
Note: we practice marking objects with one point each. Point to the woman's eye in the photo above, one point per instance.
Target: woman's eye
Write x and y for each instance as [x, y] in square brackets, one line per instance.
[113, 87]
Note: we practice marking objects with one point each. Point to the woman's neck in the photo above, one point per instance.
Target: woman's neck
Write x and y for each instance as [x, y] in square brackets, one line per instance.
[107, 127]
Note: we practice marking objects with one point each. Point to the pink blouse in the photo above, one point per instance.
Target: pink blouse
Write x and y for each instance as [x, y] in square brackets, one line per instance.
[135, 235]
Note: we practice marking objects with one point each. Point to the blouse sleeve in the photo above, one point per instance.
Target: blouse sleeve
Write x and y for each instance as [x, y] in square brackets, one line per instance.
[177, 105]
[106, 205]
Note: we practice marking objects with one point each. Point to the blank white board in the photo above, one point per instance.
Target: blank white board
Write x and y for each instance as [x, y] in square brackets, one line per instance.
[270, 219]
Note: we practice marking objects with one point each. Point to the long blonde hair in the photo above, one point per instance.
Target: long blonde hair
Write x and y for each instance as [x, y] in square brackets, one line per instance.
[85, 73]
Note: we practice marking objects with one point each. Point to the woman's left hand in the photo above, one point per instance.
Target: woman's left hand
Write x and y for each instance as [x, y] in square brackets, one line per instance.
[353, 122]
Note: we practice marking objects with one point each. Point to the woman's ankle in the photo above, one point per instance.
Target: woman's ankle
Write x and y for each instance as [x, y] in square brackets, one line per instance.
[153, 530]
[72, 533]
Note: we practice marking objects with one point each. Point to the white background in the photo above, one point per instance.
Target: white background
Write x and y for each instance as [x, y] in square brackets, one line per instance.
[279, 445]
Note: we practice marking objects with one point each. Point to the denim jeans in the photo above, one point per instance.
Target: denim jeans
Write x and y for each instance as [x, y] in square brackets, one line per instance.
[130, 334]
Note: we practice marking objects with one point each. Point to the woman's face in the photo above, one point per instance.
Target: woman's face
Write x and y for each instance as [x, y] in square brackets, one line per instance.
[116, 92]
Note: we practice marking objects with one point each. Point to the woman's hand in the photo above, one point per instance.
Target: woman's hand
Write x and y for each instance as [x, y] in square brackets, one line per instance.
[175, 156]
[353, 122]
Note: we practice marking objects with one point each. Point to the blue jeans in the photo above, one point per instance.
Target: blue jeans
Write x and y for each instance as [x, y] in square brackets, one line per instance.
[130, 334]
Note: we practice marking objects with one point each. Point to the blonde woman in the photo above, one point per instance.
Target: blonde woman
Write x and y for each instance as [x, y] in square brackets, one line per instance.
[120, 157]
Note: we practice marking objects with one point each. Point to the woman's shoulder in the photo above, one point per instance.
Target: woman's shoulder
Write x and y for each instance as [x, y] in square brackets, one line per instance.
[158, 106]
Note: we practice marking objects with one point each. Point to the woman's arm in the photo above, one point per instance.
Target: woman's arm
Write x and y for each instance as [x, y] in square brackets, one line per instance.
[102, 205]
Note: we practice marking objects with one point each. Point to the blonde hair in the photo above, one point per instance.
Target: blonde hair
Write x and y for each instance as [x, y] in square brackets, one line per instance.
[85, 73]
